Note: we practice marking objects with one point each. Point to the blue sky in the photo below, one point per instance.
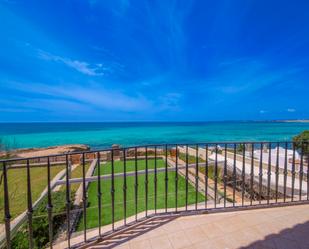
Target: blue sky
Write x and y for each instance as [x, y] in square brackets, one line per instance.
[130, 60]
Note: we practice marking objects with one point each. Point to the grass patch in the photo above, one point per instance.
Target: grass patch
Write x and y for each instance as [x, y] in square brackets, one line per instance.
[106, 168]
[191, 159]
[17, 184]
[92, 210]
[211, 172]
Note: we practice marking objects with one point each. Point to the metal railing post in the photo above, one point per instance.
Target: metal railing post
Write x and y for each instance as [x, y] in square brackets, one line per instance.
[166, 178]
[261, 173]
[84, 199]
[113, 190]
[206, 175]
[216, 174]
[125, 187]
[225, 174]
[49, 206]
[269, 173]
[176, 180]
[7, 215]
[196, 176]
[30, 209]
[243, 173]
[68, 201]
[99, 193]
[136, 183]
[146, 180]
[155, 180]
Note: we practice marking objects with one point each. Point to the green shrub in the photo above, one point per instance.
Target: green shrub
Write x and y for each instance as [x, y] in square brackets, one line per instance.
[40, 223]
[302, 140]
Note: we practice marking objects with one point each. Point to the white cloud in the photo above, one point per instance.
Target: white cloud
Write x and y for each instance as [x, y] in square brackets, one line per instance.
[94, 96]
[80, 66]
[290, 110]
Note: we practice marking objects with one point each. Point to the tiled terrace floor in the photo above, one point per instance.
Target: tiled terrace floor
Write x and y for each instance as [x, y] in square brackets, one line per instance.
[272, 228]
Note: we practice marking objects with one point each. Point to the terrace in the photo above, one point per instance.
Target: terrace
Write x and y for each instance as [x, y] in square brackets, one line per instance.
[175, 196]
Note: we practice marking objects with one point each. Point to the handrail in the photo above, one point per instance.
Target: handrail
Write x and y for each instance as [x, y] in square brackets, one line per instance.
[143, 146]
[187, 176]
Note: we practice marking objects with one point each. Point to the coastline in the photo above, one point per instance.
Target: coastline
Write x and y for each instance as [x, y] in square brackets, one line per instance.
[51, 150]
[295, 121]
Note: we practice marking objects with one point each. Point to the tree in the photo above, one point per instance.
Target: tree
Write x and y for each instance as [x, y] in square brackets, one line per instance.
[240, 147]
[301, 142]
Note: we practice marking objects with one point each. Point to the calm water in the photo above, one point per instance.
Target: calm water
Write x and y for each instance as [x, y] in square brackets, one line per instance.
[100, 135]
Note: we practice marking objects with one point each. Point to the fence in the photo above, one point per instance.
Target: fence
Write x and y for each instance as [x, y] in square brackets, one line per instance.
[95, 193]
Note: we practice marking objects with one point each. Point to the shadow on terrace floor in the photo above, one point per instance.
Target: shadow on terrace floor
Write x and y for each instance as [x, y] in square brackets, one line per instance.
[290, 238]
[131, 233]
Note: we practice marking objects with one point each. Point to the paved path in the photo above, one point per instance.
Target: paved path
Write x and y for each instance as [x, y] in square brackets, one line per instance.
[79, 193]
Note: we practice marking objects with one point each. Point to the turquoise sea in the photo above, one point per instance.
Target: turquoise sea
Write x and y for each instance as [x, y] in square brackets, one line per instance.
[101, 135]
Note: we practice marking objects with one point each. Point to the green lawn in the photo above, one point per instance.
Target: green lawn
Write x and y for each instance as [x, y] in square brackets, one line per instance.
[17, 184]
[130, 166]
[211, 172]
[92, 210]
[191, 159]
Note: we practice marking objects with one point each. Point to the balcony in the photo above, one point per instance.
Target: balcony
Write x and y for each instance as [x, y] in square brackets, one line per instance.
[210, 195]
[270, 228]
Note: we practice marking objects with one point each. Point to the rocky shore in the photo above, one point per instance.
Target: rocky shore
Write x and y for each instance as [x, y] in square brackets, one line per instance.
[37, 152]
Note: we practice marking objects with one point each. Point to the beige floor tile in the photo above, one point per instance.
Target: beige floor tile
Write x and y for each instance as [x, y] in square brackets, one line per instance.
[156, 232]
[125, 246]
[251, 234]
[211, 230]
[275, 228]
[160, 242]
[187, 223]
[138, 236]
[179, 240]
[269, 228]
[143, 244]
[172, 226]
[231, 224]
[206, 244]
[240, 239]
[223, 244]
[195, 234]
[255, 218]
[210, 219]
